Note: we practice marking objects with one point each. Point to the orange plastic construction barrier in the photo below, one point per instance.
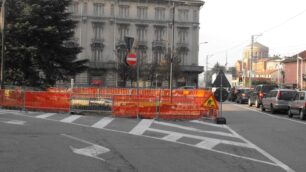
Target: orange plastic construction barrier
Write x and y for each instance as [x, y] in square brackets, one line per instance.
[11, 99]
[47, 101]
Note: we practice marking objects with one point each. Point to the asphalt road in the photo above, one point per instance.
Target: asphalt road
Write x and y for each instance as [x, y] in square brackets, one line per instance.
[37, 141]
[277, 134]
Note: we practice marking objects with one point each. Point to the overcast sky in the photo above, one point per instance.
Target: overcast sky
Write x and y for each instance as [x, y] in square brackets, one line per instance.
[227, 26]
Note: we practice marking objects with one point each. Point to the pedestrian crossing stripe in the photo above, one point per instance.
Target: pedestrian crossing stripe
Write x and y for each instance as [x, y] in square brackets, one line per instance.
[210, 102]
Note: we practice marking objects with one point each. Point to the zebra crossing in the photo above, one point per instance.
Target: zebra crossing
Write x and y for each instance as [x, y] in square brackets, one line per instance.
[198, 134]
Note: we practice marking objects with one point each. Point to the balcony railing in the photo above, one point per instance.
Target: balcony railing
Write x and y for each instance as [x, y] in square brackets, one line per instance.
[158, 44]
[97, 43]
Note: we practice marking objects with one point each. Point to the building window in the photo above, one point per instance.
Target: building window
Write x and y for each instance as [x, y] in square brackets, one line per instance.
[123, 31]
[195, 16]
[183, 57]
[159, 33]
[182, 35]
[183, 14]
[158, 57]
[124, 11]
[97, 30]
[141, 33]
[160, 13]
[97, 54]
[98, 9]
[74, 8]
[142, 12]
[112, 10]
[142, 54]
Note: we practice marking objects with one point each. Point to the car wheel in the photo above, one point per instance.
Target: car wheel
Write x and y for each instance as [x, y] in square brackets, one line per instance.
[272, 110]
[302, 115]
[249, 102]
[256, 104]
[263, 108]
[290, 115]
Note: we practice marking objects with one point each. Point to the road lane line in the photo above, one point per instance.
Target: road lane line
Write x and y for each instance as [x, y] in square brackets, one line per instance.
[266, 154]
[71, 118]
[141, 127]
[46, 115]
[194, 129]
[103, 122]
[172, 137]
[270, 115]
[208, 144]
[207, 123]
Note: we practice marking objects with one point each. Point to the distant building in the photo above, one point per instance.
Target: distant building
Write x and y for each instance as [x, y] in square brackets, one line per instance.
[103, 24]
[292, 72]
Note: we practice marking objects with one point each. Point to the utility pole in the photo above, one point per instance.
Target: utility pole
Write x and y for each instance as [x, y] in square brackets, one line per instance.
[3, 39]
[251, 60]
[172, 51]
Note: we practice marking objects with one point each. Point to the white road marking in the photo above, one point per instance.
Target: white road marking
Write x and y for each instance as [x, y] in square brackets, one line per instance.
[207, 123]
[208, 144]
[16, 122]
[172, 137]
[103, 122]
[151, 137]
[141, 127]
[71, 118]
[266, 154]
[273, 116]
[91, 151]
[203, 138]
[194, 129]
[46, 115]
[12, 121]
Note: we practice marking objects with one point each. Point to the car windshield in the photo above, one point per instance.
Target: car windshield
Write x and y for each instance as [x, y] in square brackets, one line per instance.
[287, 95]
[244, 90]
[266, 89]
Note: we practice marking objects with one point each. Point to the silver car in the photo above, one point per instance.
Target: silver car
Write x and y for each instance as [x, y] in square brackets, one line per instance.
[298, 105]
[278, 99]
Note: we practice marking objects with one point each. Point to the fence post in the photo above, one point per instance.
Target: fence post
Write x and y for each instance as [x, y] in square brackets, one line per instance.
[23, 93]
[157, 107]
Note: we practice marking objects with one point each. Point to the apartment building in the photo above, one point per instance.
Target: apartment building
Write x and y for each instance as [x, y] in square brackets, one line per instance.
[103, 24]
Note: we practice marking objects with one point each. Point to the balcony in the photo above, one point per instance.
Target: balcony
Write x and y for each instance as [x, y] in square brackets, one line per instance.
[158, 44]
[191, 68]
[102, 65]
[142, 44]
[183, 46]
[97, 43]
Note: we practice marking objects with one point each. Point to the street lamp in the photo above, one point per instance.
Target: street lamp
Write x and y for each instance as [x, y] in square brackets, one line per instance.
[251, 60]
[297, 68]
[172, 49]
[2, 38]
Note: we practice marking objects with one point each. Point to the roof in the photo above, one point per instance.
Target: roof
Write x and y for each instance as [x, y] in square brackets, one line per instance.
[293, 58]
[258, 45]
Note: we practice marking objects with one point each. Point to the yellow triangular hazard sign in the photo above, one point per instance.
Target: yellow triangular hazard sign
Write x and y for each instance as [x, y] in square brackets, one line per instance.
[210, 102]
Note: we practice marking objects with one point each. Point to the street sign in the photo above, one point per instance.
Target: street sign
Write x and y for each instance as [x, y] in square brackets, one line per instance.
[221, 80]
[131, 59]
[221, 97]
[129, 42]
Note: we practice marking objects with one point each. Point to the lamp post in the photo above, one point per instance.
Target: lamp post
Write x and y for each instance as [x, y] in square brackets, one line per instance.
[206, 71]
[301, 77]
[251, 60]
[2, 38]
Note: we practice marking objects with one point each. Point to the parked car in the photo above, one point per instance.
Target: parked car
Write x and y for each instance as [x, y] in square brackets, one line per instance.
[258, 93]
[298, 105]
[278, 99]
[242, 95]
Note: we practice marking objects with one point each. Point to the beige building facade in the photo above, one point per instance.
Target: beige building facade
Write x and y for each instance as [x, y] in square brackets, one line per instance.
[102, 26]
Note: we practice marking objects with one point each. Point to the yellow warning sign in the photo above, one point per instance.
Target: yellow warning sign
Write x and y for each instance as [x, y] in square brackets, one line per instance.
[210, 102]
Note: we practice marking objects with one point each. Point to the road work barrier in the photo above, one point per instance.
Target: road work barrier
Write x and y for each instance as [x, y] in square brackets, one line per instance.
[121, 102]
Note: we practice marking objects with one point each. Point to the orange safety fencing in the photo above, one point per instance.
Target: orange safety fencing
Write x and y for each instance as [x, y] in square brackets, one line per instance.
[11, 99]
[50, 101]
[123, 102]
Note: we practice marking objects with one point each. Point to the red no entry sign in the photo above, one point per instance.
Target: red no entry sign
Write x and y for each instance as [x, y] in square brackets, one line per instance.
[131, 59]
